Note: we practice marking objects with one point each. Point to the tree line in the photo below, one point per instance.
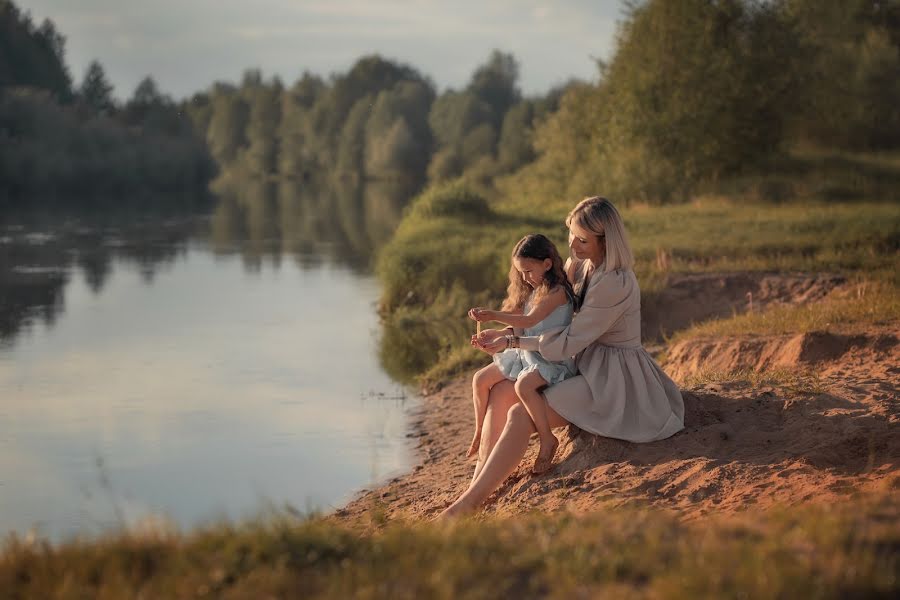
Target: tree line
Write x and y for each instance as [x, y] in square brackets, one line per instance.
[696, 91]
[59, 140]
[378, 121]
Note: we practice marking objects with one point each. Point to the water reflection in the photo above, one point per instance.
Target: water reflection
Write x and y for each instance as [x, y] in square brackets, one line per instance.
[174, 366]
[344, 222]
[39, 252]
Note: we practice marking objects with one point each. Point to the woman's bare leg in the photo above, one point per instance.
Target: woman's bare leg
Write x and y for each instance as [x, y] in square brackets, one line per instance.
[484, 379]
[503, 459]
[527, 388]
[502, 398]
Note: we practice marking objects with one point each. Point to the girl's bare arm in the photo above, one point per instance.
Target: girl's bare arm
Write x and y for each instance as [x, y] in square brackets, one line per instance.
[535, 315]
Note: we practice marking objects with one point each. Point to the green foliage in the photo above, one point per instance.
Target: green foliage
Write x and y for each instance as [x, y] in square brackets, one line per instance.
[844, 550]
[151, 110]
[370, 123]
[398, 137]
[494, 83]
[467, 124]
[515, 147]
[49, 151]
[851, 89]
[352, 145]
[699, 92]
[96, 91]
[446, 258]
[265, 103]
[432, 249]
[453, 117]
[296, 158]
[32, 56]
[227, 125]
[696, 90]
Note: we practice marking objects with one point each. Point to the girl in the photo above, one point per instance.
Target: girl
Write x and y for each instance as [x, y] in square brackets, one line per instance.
[539, 297]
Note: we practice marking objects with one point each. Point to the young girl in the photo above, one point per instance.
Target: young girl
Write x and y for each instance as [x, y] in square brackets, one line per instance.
[539, 297]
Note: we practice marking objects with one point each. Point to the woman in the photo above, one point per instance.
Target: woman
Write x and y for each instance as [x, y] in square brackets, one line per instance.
[620, 391]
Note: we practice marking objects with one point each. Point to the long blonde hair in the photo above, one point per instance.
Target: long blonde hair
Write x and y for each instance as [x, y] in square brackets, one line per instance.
[598, 215]
[536, 247]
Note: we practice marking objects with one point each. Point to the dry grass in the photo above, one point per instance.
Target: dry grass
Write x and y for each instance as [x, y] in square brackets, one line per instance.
[811, 552]
[865, 303]
[790, 382]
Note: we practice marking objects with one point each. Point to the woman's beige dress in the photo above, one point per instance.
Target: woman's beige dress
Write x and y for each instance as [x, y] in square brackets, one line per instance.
[620, 391]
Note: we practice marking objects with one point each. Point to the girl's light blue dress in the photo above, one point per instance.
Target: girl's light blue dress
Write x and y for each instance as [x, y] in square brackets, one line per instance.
[515, 362]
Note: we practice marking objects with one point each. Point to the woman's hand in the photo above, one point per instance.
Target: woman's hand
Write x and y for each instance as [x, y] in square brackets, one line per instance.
[481, 314]
[489, 336]
[489, 340]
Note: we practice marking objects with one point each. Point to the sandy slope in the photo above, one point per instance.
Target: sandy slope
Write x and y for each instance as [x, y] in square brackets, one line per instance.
[743, 445]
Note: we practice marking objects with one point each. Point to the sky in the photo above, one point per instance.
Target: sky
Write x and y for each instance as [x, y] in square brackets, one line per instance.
[186, 45]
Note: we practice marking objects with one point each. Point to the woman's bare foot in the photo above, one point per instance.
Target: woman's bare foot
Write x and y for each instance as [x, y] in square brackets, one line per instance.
[454, 511]
[476, 444]
[544, 459]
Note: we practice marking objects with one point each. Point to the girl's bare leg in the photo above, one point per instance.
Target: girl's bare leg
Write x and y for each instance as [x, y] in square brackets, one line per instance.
[527, 389]
[503, 459]
[484, 379]
[501, 399]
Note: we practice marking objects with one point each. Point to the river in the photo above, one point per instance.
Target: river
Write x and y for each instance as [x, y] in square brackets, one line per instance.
[191, 366]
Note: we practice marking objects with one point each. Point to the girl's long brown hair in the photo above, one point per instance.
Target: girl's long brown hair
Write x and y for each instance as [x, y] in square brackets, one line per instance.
[537, 247]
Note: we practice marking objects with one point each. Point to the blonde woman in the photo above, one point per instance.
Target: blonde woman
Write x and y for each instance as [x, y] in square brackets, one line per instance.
[619, 391]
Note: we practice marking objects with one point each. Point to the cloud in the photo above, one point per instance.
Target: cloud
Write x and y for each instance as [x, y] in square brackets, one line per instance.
[188, 45]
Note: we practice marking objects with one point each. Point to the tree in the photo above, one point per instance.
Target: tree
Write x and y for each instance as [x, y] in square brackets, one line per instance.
[152, 110]
[96, 91]
[262, 127]
[227, 126]
[32, 56]
[454, 115]
[850, 71]
[515, 146]
[695, 90]
[295, 156]
[398, 139]
[352, 142]
[495, 83]
[147, 93]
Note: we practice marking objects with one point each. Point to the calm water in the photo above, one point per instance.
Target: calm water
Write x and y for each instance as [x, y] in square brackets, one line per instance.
[193, 367]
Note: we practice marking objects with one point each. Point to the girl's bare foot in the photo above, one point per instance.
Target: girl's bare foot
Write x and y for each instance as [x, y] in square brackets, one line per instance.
[476, 444]
[544, 459]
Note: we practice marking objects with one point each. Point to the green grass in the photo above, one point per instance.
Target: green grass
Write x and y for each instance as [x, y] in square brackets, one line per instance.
[451, 252]
[810, 552]
[722, 235]
[805, 175]
[867, 303]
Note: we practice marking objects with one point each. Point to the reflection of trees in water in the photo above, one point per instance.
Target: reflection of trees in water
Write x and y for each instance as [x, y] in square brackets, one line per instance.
[40, 251]
[26, 297]
[342, 221]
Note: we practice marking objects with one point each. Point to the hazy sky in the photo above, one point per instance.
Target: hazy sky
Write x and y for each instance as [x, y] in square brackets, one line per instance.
[188, 44]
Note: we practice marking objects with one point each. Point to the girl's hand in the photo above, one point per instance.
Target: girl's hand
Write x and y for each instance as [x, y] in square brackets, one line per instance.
[481, 314]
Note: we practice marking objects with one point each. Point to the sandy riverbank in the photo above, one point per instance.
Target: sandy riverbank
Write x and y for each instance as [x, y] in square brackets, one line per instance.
[822, 435]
